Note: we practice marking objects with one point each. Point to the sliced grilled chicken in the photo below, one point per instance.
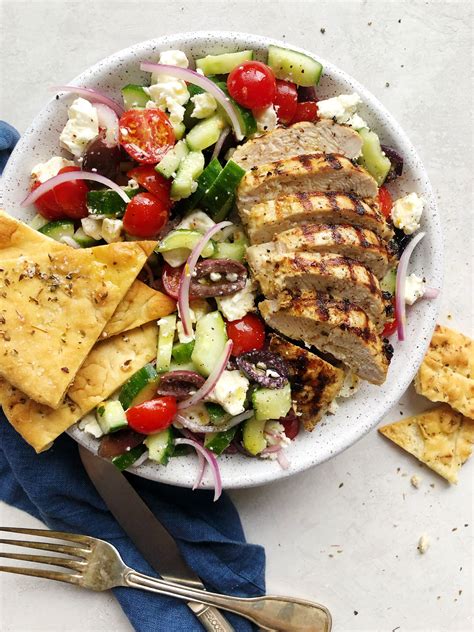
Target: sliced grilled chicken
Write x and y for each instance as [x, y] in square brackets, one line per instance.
[265, 219]
[339, 328]
[301, 138]
[360, 244]
[314, 382]
[338, 276]
[304, 174]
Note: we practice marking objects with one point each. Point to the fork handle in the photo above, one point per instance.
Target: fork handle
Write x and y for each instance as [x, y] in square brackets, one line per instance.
[212, 620]
[277, 614]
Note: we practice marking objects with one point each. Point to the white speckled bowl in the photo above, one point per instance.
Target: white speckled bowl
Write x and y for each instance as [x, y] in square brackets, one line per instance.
[356, 416]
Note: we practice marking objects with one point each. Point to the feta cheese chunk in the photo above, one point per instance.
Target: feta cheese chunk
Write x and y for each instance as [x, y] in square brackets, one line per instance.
[166, 92]
[407, 211]
[112, 230]
[90, 425]
[239, 304]
[92, 227]
[182, 337]
[266, 119]
[81, 128]
[45, 170]
[342, 109]
[174, 58]
[414, 288]
[230, 392]
[197, 220]
[204, 105]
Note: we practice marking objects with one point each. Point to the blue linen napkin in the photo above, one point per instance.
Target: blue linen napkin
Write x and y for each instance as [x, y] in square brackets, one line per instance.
[54, 487]
[8, 139]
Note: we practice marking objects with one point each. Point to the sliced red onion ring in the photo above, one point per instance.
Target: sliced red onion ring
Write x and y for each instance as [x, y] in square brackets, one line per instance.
[211, 459]
[211, 381]
[69, 241]
[431, 292]
[271, 449]
[400, 308]
[194, 427]
[186, 74]
[108, 120]
[92, 95]
[183, 296]
[201, 470]
[68, 177]
[220, 142]
[282, 460]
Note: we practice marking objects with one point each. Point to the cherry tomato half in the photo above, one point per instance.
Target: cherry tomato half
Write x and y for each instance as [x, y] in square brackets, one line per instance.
[154, 182]
[171, 278]
[285, 101]
[247, 334]
[252, 84]
[67, 200]
[390, 328]
[305, 111]
[145, 216]
[146, 135]
[153, 415]
[385, 201]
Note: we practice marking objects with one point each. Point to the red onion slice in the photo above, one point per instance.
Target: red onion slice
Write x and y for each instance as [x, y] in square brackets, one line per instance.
[201, 470]
[68, 177]
[211, 381]
[183, 296]
[282, 460]
[211, 459]
[220, 141]
[400, 308]
[431, 292]
[92, 95]
[186, 74]
[195, 427]
[108, 120]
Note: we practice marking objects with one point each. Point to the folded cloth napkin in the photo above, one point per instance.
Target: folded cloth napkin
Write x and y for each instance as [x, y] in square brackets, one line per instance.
[8, 139]
[54, 487]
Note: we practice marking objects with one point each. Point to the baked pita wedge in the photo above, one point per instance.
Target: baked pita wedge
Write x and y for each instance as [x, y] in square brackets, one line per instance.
[107, 367]
[440, 438]
[18, 239]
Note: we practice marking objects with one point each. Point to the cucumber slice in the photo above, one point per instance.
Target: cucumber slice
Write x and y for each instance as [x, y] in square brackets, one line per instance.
[167, 326]
[170, 161]
[183, 366]
[38, 222]
[179, 130]
[373, 158]
[246, 118]
[125, 460]
[140, 387]
[232, 250]
[219, 198]
[205, 133]
[211, 336]
[204, 181]
[84, 240]
[271, 403]
[182, 351]
[190, 168]
[160, 446]
[389, 282]
[134, 96]
[217, 415]
[111, 416]
[253, 435]
[109, 203]
[293, 66]
[58, 229]
[177, 245]
[217, 442]
[223, 64]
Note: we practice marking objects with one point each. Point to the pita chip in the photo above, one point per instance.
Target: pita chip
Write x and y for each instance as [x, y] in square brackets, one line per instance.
[18, 239]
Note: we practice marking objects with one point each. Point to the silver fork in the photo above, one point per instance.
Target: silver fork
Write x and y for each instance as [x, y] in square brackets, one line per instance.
[97, 565]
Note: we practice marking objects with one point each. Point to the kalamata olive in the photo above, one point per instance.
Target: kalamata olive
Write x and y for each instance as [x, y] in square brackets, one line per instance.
[100, 158]
[396, 159]
[218, 277]
[401, 240]
[179, 384]
[264, 367]
[119, 442]
[307, 93]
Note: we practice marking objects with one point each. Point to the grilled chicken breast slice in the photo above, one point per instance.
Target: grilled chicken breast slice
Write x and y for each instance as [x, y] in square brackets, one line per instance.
[296, 272]
[314, 382]
[336, 327]
[265, 219]
[304, 174]
[360, 244]
[301, 138]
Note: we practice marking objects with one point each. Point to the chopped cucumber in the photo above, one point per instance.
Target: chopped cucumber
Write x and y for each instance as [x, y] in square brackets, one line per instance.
[389, 282]
[140, 387]
[134, 97]
[232, 250]
[223, 64]
[190, 168]
[160, 446]
[58, 229]
[170, 161]
[38, 222]
[179, 130]
[271, 403]
[217, 415]
[373, 158]
[211, 336]
[183, 366]
[108, 203]
[206, 132]
[182, 352]
[125, 460]
[253, 435]
[167, 328]
[219, 197]
[217, 442]
[84, 240]
[111, 416]
[177, 245]
[246, 118]
[204, 181]
[293, 66]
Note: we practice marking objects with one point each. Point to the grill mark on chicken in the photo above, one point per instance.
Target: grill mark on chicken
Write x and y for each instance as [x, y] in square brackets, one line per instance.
[306, 161]
[305, 200]
[333, 161]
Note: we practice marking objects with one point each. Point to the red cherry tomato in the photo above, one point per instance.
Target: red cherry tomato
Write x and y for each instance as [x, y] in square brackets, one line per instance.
[285, 101]
[390, 328]
[291, 424]
[67, 200]
[146, 134]
[154, 182]
[247, 334]
[145, 216]
[305, 111]
[252, 84]
[47, 205]
[153, 415]
[385, 201]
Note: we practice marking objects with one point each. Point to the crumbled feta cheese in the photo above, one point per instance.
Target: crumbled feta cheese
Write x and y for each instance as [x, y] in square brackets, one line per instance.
[230, 392]
[182, 337]
[112, 230]
[81, 128]
[350, 386]
[133, 184]
[90, 425]
[197, 220]
[169, 93]
[414, 288]
[342, 109]
[266, 119]
[232, 276]
[204, 105]
[239, 304]
[423, 544]
[275, 434]
[406, 213]
[174, 58]
[215, 276]
[415, 481]
[92, 227]
[45, 170]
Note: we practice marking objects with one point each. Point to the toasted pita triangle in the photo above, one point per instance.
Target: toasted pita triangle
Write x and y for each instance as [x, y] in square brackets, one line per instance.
[440, 438]
[18, 239]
